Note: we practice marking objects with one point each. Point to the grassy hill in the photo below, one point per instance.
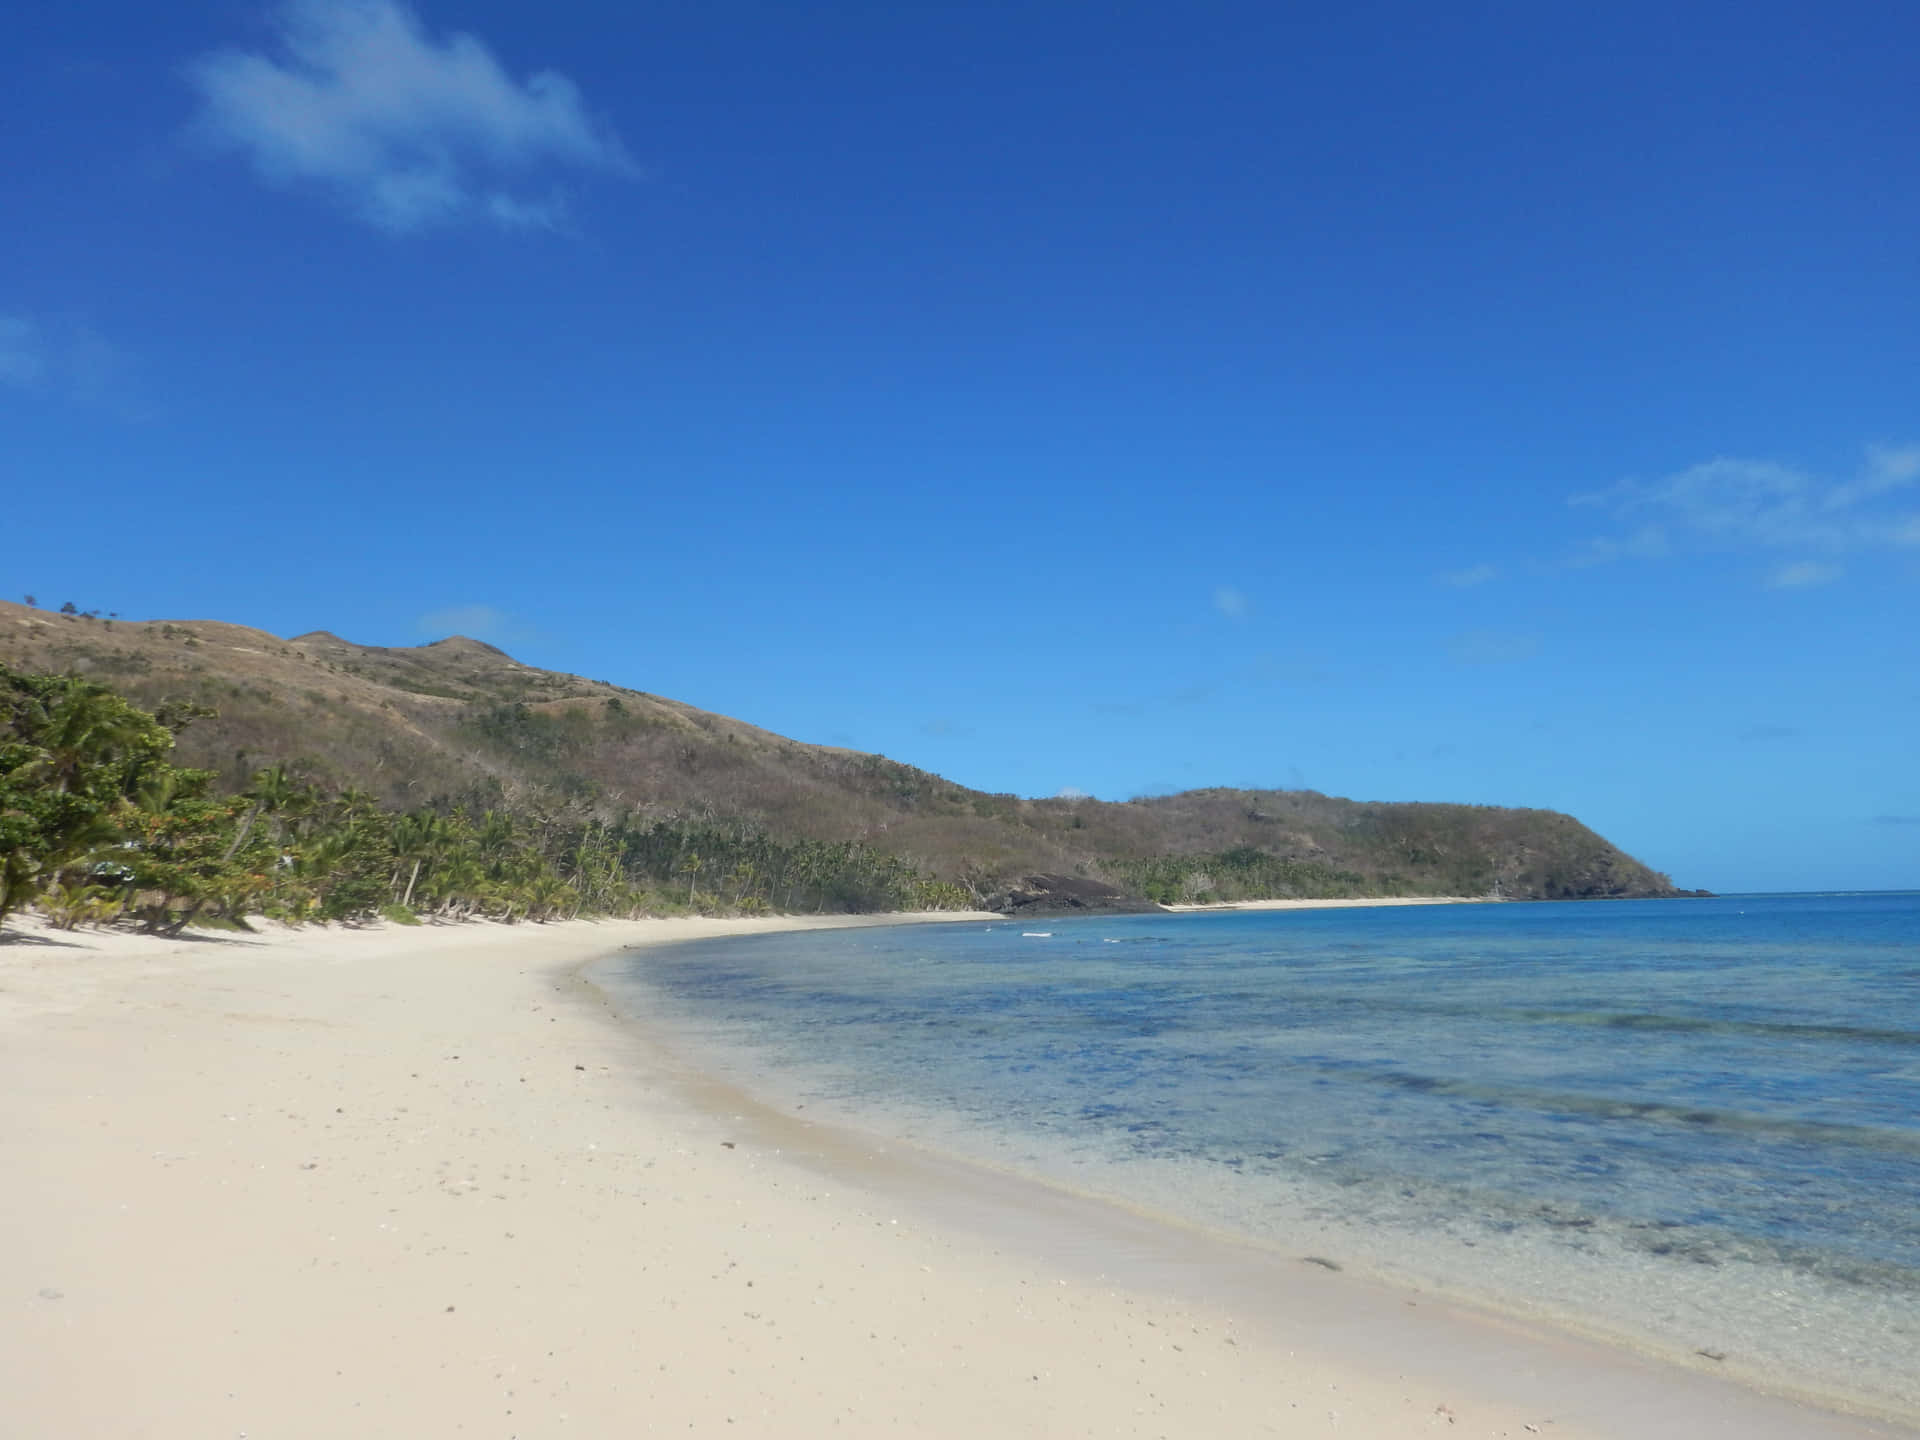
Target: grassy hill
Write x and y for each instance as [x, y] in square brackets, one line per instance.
[460, 723]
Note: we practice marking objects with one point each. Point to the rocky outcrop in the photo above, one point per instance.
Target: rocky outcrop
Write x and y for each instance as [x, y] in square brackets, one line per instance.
[1065, 895]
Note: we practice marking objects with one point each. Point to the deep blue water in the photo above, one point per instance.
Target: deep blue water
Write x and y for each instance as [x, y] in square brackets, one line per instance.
[1697, 1121]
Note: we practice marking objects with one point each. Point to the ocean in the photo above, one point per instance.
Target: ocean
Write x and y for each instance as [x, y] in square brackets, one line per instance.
[1691, 1126]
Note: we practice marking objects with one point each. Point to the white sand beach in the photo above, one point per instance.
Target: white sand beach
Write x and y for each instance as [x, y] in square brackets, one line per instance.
[419, 1182]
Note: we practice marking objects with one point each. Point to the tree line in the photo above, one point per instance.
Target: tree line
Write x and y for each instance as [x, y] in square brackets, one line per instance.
[98, 826]
[1242, 873]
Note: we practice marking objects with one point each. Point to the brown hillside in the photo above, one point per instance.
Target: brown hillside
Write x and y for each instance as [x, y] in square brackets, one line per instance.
[461, 722]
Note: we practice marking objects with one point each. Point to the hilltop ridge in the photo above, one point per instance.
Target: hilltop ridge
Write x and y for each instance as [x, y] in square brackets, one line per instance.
[459, 722]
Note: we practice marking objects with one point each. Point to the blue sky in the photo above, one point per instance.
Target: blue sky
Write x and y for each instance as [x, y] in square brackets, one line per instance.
[1495, 403]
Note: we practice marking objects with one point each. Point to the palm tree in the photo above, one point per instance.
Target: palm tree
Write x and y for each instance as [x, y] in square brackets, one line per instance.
[418, 837]
[87, 734]
[495, 836]
[458, 884]
[269, 791]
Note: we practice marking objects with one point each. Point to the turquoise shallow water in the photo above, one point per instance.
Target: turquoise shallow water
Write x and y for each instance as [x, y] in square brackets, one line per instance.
[1691, 1123]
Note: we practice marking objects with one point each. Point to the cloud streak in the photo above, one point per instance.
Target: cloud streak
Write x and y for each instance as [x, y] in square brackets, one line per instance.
[1803, 575]
[23, 359]
[1734, 504]
[1492, 647]
[64, 359]
[476, 622]
[941, 728]
[407, 130]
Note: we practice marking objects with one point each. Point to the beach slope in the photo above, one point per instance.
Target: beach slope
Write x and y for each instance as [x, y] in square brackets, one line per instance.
[416, 1182]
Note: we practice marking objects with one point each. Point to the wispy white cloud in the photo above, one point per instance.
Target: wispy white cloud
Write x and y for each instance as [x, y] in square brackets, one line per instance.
[1231, 602]
[407, 129]
[23, 358]
[1648, 542]
[1803, 575]
[1734, 504]
[66, 359]
[476, 622]
[1888, 467]
[1473, 575]
[941, 728]
[1072, 792]
[1492, 647]
[95, 367]
[512, 214]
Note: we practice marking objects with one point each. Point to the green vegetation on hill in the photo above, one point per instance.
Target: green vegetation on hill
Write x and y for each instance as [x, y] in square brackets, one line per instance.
[97, 825]
[460, 727]
[1240, 874]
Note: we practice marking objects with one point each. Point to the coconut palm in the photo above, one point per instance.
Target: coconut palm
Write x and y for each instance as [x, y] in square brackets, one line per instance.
[417, 838]
[89, 739]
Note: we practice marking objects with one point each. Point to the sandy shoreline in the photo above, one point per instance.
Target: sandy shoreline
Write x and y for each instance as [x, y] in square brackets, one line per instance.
[1367, 903]
[413, 1182]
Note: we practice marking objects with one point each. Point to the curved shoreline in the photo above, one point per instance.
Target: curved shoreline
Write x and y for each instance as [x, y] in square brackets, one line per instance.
[420, 1181]
[1105, 1238]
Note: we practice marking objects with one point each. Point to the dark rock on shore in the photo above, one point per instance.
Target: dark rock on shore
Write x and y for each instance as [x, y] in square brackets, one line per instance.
[1065, 895]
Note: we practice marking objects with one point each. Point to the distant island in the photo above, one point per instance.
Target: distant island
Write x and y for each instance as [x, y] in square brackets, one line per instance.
[197, 770]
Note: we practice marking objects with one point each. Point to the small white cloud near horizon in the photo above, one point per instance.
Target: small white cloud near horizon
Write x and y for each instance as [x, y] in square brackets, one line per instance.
[408, 130]
[476, 622]
[1471, 576]
[941, 728]
[1230, 602]
[1803, 575]
[1072, 792]
[1735, 504]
